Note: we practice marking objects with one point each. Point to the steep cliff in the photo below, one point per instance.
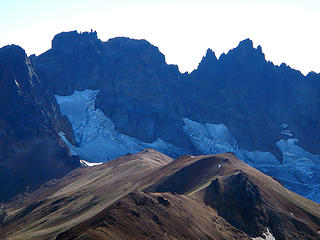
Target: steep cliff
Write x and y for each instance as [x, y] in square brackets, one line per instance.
[31, 151]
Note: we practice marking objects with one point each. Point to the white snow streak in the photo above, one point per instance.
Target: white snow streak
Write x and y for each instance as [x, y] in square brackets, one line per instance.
[88, 164]
[266, 236]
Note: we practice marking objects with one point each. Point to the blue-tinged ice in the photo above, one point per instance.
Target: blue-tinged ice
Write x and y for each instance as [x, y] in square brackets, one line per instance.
[95, 134]
[299, 170]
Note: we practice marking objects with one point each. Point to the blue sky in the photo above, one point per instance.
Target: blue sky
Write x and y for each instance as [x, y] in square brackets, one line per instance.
[183, 30]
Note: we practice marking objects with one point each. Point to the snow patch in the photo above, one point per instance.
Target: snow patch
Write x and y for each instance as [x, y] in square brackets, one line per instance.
[299, 171]
[210, 138]
[216, 138]
[88, 164]
[300, 166]
[16, 82]
[285, 130]
[265, 236]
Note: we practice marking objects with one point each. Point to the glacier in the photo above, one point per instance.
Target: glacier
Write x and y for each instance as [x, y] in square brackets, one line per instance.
[210, 138]
[299, 170]
[95, 134]
[97, 141]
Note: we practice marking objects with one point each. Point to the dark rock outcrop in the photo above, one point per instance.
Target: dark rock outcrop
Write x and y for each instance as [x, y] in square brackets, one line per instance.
[249, 216]
[243, 89]
[31, 151]
[146, 98]
[138, 89]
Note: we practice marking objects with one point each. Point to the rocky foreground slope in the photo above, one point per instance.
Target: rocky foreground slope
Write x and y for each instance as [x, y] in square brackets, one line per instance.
[149, 196]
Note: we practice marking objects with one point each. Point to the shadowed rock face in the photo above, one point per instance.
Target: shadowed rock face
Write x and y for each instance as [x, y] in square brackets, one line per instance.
[243, 89]
[31, 151]
[236, 198]
[250, 215]
[138, 88]
[146, 98]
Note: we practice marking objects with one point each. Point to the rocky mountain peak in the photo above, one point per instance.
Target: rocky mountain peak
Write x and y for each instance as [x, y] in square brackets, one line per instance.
[211, 55]
[245, 53]
[246, 44]
[10, 52]
[240, 100]
[30, 149]
[67, 41]
[209, 59]
[314, 76]
[141, 49]
[15, 72]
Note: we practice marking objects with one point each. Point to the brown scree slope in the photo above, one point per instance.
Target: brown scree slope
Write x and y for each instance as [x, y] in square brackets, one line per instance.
[149, 196]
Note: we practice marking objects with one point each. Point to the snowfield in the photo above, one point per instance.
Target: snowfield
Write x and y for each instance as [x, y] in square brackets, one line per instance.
[95, 133]
[266, 236]
[98, 141]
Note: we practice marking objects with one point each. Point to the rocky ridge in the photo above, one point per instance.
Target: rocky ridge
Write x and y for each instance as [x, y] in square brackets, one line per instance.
[151, 196]
[267, 115]
[31, 151]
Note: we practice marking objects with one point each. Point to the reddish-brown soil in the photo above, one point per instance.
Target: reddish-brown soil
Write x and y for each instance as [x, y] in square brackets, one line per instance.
[149, 196]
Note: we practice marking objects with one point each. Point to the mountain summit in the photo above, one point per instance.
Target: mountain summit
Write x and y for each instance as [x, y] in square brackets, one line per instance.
[31, 150]
[100, 100]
